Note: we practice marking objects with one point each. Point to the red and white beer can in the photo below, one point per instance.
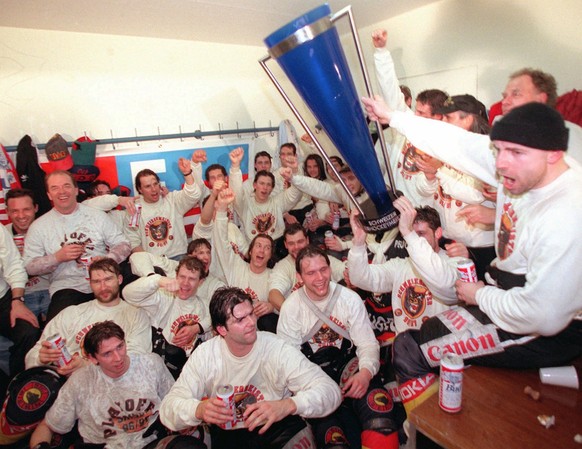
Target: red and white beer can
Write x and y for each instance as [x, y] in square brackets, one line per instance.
[86, 260]
[58, 343]
[226, 394]
[19, 242]
[134, 219]
[466, 270]
[451, 382]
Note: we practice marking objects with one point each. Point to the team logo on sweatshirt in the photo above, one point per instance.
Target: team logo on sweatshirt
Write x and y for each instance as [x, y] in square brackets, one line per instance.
[408, 166]
[506, 235]
[158, 230]
[414, 297]
[263, 223]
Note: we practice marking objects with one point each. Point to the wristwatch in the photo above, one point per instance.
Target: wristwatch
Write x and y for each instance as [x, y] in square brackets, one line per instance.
[18, 298]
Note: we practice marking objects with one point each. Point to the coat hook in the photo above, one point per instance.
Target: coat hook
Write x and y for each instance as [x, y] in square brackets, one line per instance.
[180, 128]
[219, 131]
[85, 134]
[112, 143]
[270, 126]
[255, 130]
[136, 140]
[199, 130]
[160, 135]
[237, 133]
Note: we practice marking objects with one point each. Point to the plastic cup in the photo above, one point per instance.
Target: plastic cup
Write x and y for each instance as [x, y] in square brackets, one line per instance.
[563, 376]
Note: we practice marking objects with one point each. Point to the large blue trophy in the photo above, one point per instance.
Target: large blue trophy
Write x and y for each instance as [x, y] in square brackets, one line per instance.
[309, 52]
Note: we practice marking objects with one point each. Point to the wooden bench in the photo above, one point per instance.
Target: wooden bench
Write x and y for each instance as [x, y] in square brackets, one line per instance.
[498, 414]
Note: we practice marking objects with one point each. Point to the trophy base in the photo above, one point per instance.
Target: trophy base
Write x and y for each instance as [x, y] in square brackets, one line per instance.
[374, 224]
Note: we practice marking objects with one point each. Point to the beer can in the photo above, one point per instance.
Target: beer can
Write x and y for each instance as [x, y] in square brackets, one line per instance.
[336, 221]
[226, 394]
[19, 242]
[328, 234]
[58, 343]
[134, 219]
[466, 270]
[451, 383]
[86, 260]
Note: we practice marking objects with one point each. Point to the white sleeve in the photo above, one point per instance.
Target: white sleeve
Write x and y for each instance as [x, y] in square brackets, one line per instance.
[315, 394]
[372, 278]
[178, 408]
[460, 186]
[388, 81]
[316, 188]
[439, 273]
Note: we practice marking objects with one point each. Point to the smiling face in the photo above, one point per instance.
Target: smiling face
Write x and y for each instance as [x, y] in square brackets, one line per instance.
[295, 243]
[204, 255]
[149, 188]
[352, 182]
[188, 281]
[519, 91]
[312, 168]
[105, 286]
[21, 211]
[62, 192]
[112, 357]
[316, 276]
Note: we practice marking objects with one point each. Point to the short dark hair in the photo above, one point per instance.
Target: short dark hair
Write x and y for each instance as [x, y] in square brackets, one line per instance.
[223, 302]
[266, 173]
[289, 145]
[319, 161]
[435, 98]
[310, 251]
[428, 215]
[293, 229]
[12, 194]
[142, 174]
[215, 167]
[406, 92]
[543, 82]
[338, 159]
[100, 332]
[197, 243]
[105, 264]
[192, 263]
[262, 154]
[92, 190]
[60, 172]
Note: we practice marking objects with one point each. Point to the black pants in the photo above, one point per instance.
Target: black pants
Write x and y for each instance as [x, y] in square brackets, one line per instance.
[417, 353]
[64, 298]
[275, 438]
[23, 335]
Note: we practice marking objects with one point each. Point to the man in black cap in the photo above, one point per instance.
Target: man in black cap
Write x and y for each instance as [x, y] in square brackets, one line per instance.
[526, 316]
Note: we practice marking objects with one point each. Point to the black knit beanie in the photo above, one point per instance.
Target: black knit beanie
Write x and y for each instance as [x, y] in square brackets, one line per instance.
[533, 125]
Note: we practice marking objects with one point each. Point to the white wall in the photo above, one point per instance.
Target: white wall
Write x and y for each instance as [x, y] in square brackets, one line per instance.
[473, 45]
[99, 84]
[73, 83]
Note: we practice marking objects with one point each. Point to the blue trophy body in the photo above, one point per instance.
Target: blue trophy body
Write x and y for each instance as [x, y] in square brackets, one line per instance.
[309, 52]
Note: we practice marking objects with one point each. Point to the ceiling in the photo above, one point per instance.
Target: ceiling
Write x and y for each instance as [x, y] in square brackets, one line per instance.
[244, 22]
